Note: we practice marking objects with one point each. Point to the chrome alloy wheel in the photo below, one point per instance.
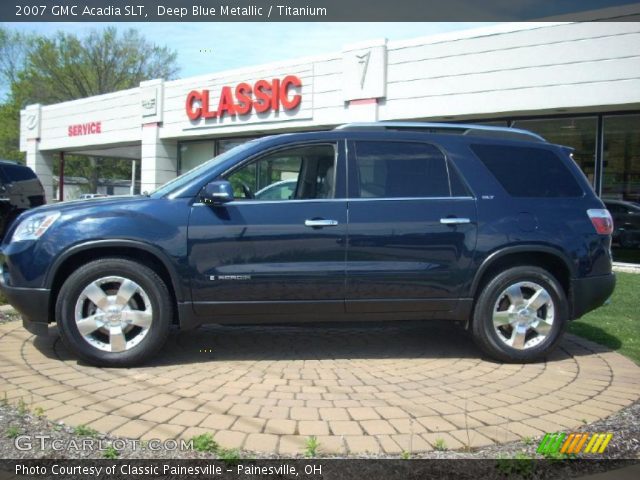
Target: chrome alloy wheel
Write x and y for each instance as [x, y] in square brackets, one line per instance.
[113, 314]
[523, 315]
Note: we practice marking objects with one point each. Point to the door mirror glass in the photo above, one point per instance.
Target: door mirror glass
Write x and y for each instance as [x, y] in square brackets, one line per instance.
[217, 193]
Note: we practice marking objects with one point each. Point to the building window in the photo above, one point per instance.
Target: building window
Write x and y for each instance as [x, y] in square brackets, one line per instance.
[621, 183]
[228, 144]
[576, 132]
[193, 154]
[621, 173]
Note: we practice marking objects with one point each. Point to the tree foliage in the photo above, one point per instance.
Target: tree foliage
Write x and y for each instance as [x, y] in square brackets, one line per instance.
[65, 66]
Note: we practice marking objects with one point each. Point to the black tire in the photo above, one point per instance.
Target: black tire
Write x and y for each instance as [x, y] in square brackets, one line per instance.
[487, 337]
[157, 295]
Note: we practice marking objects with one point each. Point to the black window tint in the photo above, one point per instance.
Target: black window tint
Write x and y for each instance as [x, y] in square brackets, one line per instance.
[458, 188]
[528, 171]
[16, 173]
[400, 169]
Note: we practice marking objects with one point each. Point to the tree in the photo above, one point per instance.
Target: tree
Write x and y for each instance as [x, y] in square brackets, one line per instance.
[67, 67]
[14, 48]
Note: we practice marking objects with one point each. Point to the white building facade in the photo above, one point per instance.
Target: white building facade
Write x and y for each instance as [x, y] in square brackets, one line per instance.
[577, 84]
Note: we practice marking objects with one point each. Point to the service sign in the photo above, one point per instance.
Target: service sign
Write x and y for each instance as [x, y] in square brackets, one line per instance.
[87, 128]
[244, 99]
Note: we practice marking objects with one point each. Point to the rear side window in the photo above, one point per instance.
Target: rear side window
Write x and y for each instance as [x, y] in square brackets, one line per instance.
[403, 169]
[16, 173]
[528, 171]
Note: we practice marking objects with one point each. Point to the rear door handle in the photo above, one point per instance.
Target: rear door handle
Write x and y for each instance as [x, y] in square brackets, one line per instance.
[315, 223]
[454, 221]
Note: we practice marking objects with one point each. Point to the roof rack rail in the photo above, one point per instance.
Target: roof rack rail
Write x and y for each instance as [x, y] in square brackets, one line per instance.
[447, 128]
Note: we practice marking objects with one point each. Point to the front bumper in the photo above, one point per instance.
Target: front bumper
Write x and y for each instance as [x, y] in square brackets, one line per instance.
[590, 293]
[31, 303]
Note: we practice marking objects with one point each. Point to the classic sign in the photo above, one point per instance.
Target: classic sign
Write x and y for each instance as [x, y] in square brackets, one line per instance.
[261, 97]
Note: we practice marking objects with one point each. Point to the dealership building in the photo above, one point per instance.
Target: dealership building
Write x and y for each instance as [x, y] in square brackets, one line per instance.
[576, 84]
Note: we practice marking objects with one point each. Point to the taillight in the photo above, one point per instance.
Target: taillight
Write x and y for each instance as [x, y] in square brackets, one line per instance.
[601, 219]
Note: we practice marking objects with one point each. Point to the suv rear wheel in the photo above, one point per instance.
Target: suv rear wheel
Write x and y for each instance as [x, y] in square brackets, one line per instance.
[114, 312]
[520, 315]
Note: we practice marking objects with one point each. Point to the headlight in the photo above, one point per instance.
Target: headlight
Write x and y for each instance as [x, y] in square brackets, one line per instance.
[33, 227]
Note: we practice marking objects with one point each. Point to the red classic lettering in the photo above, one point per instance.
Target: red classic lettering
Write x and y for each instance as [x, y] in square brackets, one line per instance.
[275, 87]
[290, 81]
[194, 113]
[264, 96]
[243, 94]
[206, 113]
[88, 128]
[226, 102]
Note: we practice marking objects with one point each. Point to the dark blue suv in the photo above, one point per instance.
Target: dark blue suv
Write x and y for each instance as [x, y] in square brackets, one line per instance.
[492, 227]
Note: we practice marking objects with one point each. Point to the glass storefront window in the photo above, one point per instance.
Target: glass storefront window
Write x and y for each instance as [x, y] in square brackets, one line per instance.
[621, 173]
[193, 154]
[578, 133]
[228, 144]
[621, 183]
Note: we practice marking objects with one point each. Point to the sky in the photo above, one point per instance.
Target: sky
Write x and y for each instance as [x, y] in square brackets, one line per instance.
[211, 47]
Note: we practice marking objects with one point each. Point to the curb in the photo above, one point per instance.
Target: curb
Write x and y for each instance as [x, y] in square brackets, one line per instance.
[626, 267]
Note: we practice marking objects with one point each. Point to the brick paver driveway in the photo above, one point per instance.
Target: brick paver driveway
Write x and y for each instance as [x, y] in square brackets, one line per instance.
[376, 389]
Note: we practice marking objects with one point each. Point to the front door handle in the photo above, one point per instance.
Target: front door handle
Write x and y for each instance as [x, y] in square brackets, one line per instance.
[454, 221]
[316, 223]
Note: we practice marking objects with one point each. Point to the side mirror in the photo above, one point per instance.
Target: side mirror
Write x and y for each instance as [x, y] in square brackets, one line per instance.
[217, 193]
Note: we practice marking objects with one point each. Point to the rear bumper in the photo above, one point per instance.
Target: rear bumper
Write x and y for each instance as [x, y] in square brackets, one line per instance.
[33, 306]
[590, 292]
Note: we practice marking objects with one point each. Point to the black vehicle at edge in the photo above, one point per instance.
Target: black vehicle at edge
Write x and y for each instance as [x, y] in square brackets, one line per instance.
[20, 190]
[492, 227]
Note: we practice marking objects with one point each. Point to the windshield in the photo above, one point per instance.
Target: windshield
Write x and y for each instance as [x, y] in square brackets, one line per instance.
[194, 173]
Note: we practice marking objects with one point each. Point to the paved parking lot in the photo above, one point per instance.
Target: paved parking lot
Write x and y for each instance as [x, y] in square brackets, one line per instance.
[382, 389]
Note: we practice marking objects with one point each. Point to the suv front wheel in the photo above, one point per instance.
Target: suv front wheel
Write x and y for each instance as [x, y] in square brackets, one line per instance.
[114, 312]
[520, 315]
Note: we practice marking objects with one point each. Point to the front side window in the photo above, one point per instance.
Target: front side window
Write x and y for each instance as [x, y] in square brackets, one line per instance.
[403, 170]
[305, 172]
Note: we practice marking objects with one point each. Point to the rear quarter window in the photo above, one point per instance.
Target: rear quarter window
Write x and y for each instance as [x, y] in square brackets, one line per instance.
[528, 171]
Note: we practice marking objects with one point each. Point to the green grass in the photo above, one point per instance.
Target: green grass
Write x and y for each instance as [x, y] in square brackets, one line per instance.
[311, 447]
[204, 443]
[84, 431]
[440, 445]
[111, 453]
[617, 324]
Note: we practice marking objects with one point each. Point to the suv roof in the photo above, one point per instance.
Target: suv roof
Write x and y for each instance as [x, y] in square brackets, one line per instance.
[451, 128]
